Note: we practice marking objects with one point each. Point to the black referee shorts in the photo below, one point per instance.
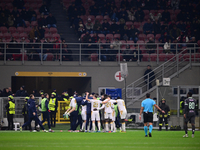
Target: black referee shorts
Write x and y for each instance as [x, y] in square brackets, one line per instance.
[148, 117]
[191, 119]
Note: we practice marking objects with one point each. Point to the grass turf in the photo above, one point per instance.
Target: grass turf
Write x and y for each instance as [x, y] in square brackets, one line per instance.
[25, 140]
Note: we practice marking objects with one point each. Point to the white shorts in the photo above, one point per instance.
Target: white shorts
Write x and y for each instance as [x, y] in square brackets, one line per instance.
[83, 115]
[123, 114]
[95, 116]
[113, 116]
[107, 115]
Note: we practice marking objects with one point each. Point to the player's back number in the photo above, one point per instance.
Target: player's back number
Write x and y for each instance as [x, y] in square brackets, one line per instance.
[191, 105]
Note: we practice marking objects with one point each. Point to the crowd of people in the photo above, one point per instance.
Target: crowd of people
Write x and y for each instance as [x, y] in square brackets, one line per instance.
[153, 16]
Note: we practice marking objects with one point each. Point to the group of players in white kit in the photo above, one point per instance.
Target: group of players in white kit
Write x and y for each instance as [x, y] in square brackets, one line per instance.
[107, 110]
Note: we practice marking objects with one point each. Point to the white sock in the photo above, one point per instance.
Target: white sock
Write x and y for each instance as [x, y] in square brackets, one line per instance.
[83, 126]
[111, 126]
[114, 128]
[93, 126]
[123, 127]
[99, 126]
[106, 126]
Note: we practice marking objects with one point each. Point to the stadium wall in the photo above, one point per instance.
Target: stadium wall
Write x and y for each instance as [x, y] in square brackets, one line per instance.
[101, 75]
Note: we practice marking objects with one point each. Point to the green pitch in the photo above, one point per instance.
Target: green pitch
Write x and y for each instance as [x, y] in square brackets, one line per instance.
[133, 139]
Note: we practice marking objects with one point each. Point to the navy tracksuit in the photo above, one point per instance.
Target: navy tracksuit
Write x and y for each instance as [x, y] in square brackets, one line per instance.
[31, 110]
[88, 117]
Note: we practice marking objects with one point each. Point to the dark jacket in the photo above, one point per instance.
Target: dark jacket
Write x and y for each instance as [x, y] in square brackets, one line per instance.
[151, 75]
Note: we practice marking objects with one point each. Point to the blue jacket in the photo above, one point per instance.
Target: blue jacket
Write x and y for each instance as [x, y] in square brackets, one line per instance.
[31, 107]
[79, 100]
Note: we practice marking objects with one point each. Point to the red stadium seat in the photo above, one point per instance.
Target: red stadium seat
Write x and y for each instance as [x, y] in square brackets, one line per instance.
[34, 23]
[99, 17]
[162, 57]
[160, 50]
[160, 11]
[129, 24]
[170, 56]
[20, 30]
[157, 36]
[150, 35]
[142, 37]
[7, 36]
[15, 35]
[3, 30]
[53, 30]
[47, 36]
[116, 36]
[1, 35]
[50, 56]
[198, 42]
[91, 17]
[119, 57]
[146, 12]
[23, 35]
[94, 57]
[109, 36]
[146, 17]
[130, 42]
[137, 24]
[83, 17]
[27, 30]
[106, 17]
[101, 36]
[153, 57]
[27, 23]
[145, 57]
[12, 30]
[56, 35]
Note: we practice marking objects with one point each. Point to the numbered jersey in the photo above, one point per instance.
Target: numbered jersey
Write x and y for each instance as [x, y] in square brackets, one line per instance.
[108, 108]
[190, 105]
[95, 104]
[121, 105]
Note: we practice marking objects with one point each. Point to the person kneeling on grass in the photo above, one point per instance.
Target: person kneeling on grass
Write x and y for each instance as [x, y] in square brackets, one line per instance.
[32, 114]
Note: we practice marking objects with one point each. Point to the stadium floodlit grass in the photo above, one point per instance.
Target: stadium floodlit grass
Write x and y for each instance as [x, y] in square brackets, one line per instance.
[132, 139]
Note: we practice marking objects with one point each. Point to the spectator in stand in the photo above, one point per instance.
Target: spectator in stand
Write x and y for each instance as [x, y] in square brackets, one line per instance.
[19, 22]
[123, 14]
[134, 33]
[196, 28]
[164, 38]
[24, 14]
[166, 16]
[116, 44]
[172, 24]
[175, 32]
[125, 3]
[6, 92]
[32, 16]
[127, 53]
[137, 51]
[181, 16]
[71, 13]
[51, 21]
[6, 11]
[15, 12]
[175, 4]
[97, 28]
[168, 47]
[95, 38]
[114, 28]
[89, 26]
[21, 92]
[148, 27]
[44, 9]
[81, 11]
[182, 26]
[3, 20]
[106, 27]
[149, 76]
[121, 24]
[93, 9]
[131, 14]
[56, 46]
[34, 33]
[86, 37]
[41, 32]
[188, 16]
[42, 21]
[76, 22]
[139, 15]
[32, 53]
[90, 48]
[124, 33]
[43, 55]
[155, 15]
[18, 3]
[183, 38]
[35, 93]
[114, 15]
[66, 53]
[112, 53]
[192, 44]
[81, 30]
[156, 27]
[151, 46]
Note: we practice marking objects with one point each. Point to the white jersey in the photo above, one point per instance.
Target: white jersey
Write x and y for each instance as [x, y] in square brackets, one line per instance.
[73, 103]
[84, 107]
[108, 105]
[95, 104]
[121, 105]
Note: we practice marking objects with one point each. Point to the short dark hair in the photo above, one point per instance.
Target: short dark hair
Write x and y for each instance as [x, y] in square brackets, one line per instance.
[109, 96]
[95, 95]
[148, 95]
[45, 95]
[189, 94]
[31, 96]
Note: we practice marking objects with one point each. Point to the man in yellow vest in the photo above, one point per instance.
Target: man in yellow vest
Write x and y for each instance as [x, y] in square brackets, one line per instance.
[10, 107]
[53, 104]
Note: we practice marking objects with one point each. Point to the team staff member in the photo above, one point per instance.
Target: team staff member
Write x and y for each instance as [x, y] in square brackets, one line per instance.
[164, 116]
[45, 110]
[147, 110]
[25, 112]
[189, 113]
[73, 113]
[32, 113]
[10, 107]
[53, 105]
